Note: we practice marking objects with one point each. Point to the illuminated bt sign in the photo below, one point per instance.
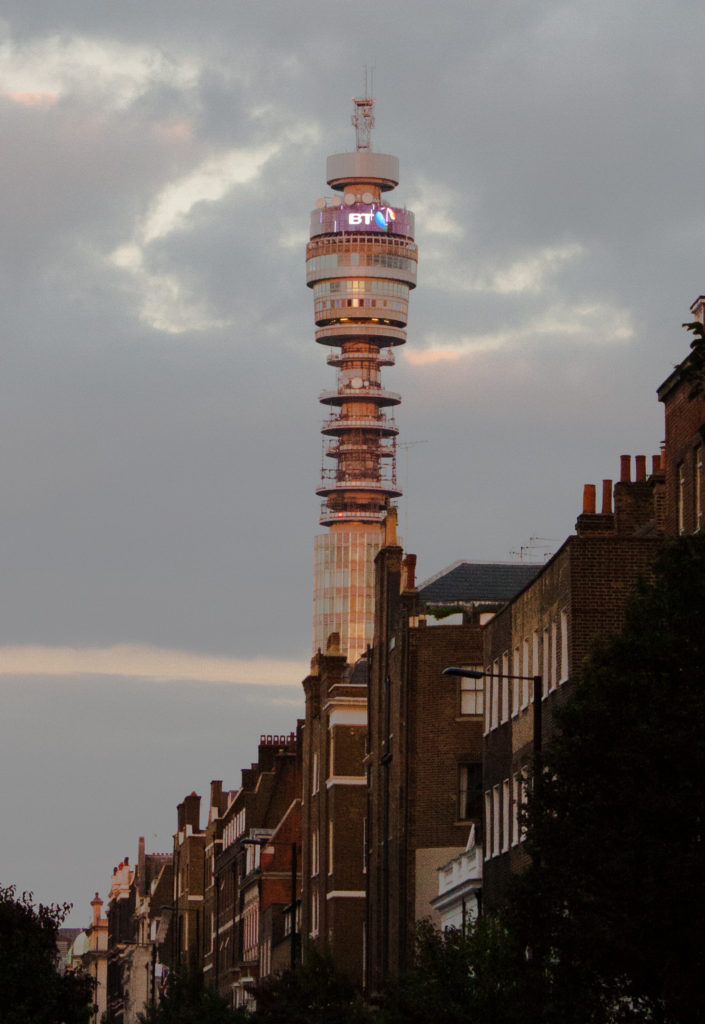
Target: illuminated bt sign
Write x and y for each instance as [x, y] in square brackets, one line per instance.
[381, 218]
[362, 217]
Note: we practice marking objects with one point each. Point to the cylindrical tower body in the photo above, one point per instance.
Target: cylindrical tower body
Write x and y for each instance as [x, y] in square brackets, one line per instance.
[361, 264]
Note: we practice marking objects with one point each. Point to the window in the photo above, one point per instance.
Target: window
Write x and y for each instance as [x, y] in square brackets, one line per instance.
[314, 912]
[495, 820]
[488, 825]
[523, 794]
[494, 718]
[699, 488]
[553, 675]
[469, 791]
[525, 673]
[546, 662]
[506, 806]
[330, 847]
[680, 498]
[564, 647]
[505, 686]
[515, 683]
[364, 845]
[314, 852]
[315, 774]
[471, 696]
[516, 803]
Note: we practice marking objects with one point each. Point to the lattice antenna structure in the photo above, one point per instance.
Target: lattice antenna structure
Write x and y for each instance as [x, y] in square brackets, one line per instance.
[363, 120]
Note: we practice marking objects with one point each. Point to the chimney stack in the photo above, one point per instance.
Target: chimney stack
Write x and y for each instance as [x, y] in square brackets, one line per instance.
[589, 500]
[390, 528]
[409, 573]
[97, 905]
[606, 497]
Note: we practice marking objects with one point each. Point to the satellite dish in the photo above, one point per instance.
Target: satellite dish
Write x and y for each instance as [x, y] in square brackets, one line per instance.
[335, 201]
[320, 204]
[356, 382]
[367, 197]
[349, 198]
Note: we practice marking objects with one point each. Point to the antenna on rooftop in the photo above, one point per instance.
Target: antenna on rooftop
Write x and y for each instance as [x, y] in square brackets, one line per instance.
[363, 119]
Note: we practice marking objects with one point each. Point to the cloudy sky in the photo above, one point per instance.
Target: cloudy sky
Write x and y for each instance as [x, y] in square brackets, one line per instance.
[158, 408]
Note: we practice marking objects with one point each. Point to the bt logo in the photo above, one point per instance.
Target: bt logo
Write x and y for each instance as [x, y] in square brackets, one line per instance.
[380, 218]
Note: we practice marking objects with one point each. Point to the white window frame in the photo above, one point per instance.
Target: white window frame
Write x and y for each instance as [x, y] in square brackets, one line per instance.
[564, 647]
[506, 815]
[554, 655]
[488, 824]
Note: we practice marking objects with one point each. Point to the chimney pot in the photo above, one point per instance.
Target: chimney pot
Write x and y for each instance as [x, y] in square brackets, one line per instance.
[640, 468]
[409, 578]
[655, 463]
[625, 475]
[606, 497]
[589, 499]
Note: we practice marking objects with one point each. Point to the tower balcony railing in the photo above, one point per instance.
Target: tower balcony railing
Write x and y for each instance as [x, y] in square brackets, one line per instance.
[348, 392]
[383, 448]
[387, 487]
[386, 425]
[329, 516]
[382, 357]
[356, 479]
[336, 333]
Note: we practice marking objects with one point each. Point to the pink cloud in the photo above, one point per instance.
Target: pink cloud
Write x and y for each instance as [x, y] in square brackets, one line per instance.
[433, 355]
[34, 99]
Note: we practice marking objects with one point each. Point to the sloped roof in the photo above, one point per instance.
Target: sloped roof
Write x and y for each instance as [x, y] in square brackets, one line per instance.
[468, 582]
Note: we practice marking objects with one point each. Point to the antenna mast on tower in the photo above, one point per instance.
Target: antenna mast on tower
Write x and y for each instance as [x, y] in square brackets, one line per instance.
[363, 119]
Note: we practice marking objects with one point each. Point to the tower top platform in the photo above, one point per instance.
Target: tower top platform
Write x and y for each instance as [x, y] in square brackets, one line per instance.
[362, 167]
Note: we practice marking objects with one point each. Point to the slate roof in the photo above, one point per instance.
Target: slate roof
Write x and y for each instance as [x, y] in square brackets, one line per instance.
[476, 582]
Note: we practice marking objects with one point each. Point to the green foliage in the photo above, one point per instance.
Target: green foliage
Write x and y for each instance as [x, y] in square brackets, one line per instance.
[32, 991]
[460, 977]
[613, 906]
[317, 992]
[444, 611]
[187, 1001]
[693, 368]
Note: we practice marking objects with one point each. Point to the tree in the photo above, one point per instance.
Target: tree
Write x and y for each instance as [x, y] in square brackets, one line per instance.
[187, 1001]
[468, 976]
[612, 909]
[32, 991]
[317, 992]
[693, 367]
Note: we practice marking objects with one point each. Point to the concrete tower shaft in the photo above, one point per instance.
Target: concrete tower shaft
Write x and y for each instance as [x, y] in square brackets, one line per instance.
[361, 265]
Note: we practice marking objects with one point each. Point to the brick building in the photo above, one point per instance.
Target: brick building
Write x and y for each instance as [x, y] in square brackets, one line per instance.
[137, 933]
[260, 829]
[189, 885]
[547, 630]
[213, 844]
[121, 908]
[333, 806]
[684, 446]
[424, 760]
